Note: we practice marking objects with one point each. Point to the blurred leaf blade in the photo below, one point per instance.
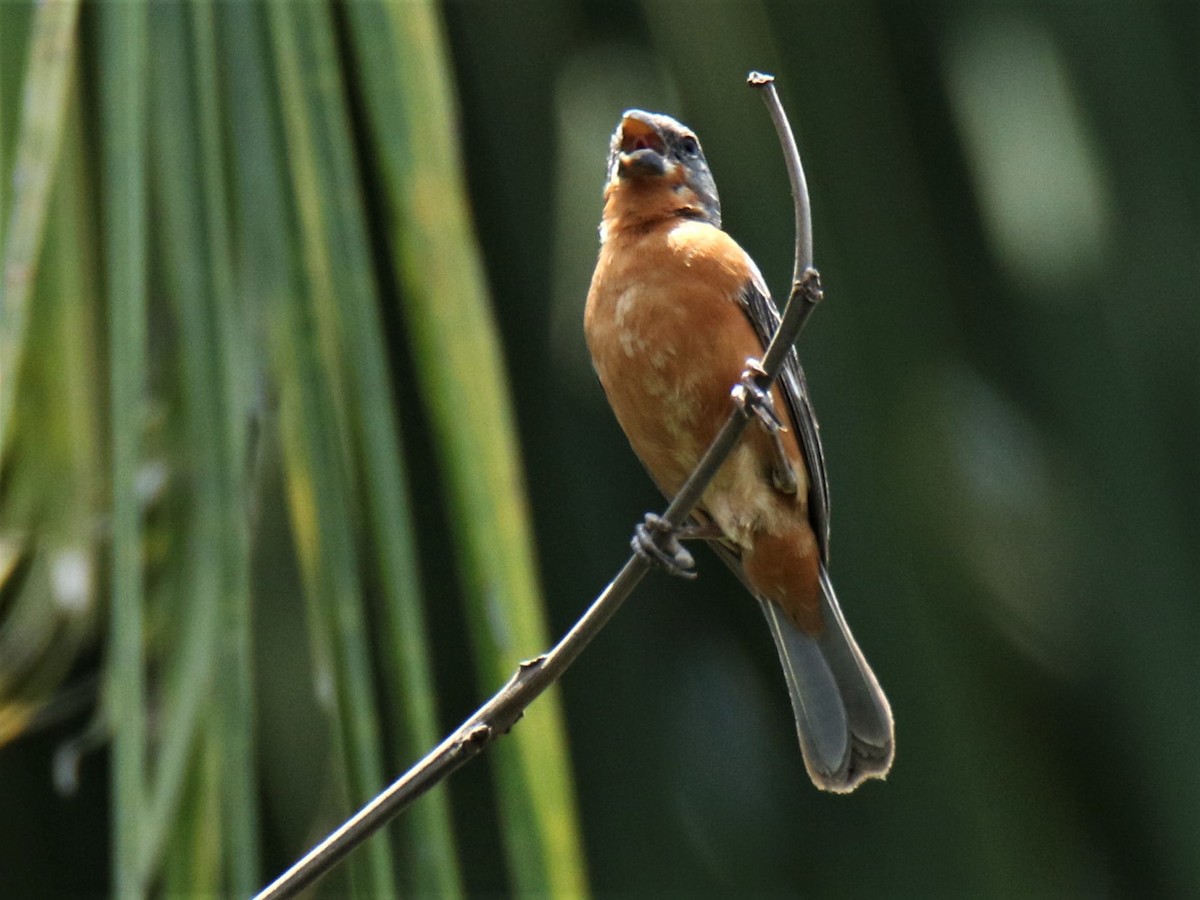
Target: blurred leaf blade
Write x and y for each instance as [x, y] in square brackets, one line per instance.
[123, 85]
[52, 475]
[186, 317]
[235, 725]
[214, 530]
[313, 407]
[48, 72]
[193, 865]
[268, 279]
[458, 357]
[337, 248]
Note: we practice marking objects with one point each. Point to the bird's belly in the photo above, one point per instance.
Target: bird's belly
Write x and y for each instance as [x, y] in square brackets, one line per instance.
[666, 383]
[668, 370]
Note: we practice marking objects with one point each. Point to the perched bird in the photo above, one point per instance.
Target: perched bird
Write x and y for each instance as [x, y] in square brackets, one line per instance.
[676, 315]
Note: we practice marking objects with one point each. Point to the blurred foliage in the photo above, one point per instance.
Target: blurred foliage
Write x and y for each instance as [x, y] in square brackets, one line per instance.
[314, 494]
[201, 433]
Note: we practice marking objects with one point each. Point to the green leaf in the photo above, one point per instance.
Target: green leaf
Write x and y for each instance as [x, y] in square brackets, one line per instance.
[336, 253]
[48, 72]
[457, 354]
[123, 91]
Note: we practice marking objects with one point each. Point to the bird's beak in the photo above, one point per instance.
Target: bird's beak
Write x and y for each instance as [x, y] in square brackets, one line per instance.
[641, 148]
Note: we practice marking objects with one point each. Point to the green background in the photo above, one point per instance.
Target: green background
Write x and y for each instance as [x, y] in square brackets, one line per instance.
[1006, 206]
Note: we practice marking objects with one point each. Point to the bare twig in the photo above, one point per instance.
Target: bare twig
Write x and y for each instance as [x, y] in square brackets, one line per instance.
[501, 712]
[804, 241]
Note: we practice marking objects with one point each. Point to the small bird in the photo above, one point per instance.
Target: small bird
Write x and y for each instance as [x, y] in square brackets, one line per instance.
[677, 314]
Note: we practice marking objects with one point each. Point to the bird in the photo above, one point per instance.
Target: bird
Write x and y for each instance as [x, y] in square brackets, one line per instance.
[678, 313]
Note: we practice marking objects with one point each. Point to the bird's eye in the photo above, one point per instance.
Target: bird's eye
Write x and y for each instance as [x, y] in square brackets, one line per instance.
[689, 145]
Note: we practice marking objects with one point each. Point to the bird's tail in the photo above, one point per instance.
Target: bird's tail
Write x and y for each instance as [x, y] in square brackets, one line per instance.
[843, 718]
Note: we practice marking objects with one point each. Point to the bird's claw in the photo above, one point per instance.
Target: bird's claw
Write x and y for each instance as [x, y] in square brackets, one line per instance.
[755, 400]
[657, 542]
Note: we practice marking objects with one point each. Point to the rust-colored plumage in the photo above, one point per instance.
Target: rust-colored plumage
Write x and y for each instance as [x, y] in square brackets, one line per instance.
[672, 316]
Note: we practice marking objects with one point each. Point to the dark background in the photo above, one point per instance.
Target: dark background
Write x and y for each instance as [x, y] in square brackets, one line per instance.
[1005, 369]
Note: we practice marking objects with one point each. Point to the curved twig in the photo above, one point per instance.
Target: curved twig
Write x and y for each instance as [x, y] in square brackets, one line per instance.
[804, 240]
[502, 711]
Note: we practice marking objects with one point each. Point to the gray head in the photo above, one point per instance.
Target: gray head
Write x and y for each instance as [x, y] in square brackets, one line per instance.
[654, 149]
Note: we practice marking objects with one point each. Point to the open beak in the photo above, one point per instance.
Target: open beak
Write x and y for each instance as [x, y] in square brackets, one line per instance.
[642, 150]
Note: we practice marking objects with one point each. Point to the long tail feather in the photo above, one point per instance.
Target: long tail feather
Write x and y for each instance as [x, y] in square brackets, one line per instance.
[842, 716]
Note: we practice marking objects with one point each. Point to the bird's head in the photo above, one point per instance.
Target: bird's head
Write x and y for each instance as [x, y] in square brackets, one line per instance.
[656, 169]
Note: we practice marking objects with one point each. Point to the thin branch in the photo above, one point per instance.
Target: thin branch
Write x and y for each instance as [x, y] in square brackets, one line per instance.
[791, 154]
[502, 711]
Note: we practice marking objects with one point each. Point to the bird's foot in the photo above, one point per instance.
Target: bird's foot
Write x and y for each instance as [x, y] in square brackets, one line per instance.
[657, 542]
[753, 399]
[753, 396]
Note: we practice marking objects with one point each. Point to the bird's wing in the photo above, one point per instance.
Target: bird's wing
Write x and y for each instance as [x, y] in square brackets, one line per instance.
[765, 317]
